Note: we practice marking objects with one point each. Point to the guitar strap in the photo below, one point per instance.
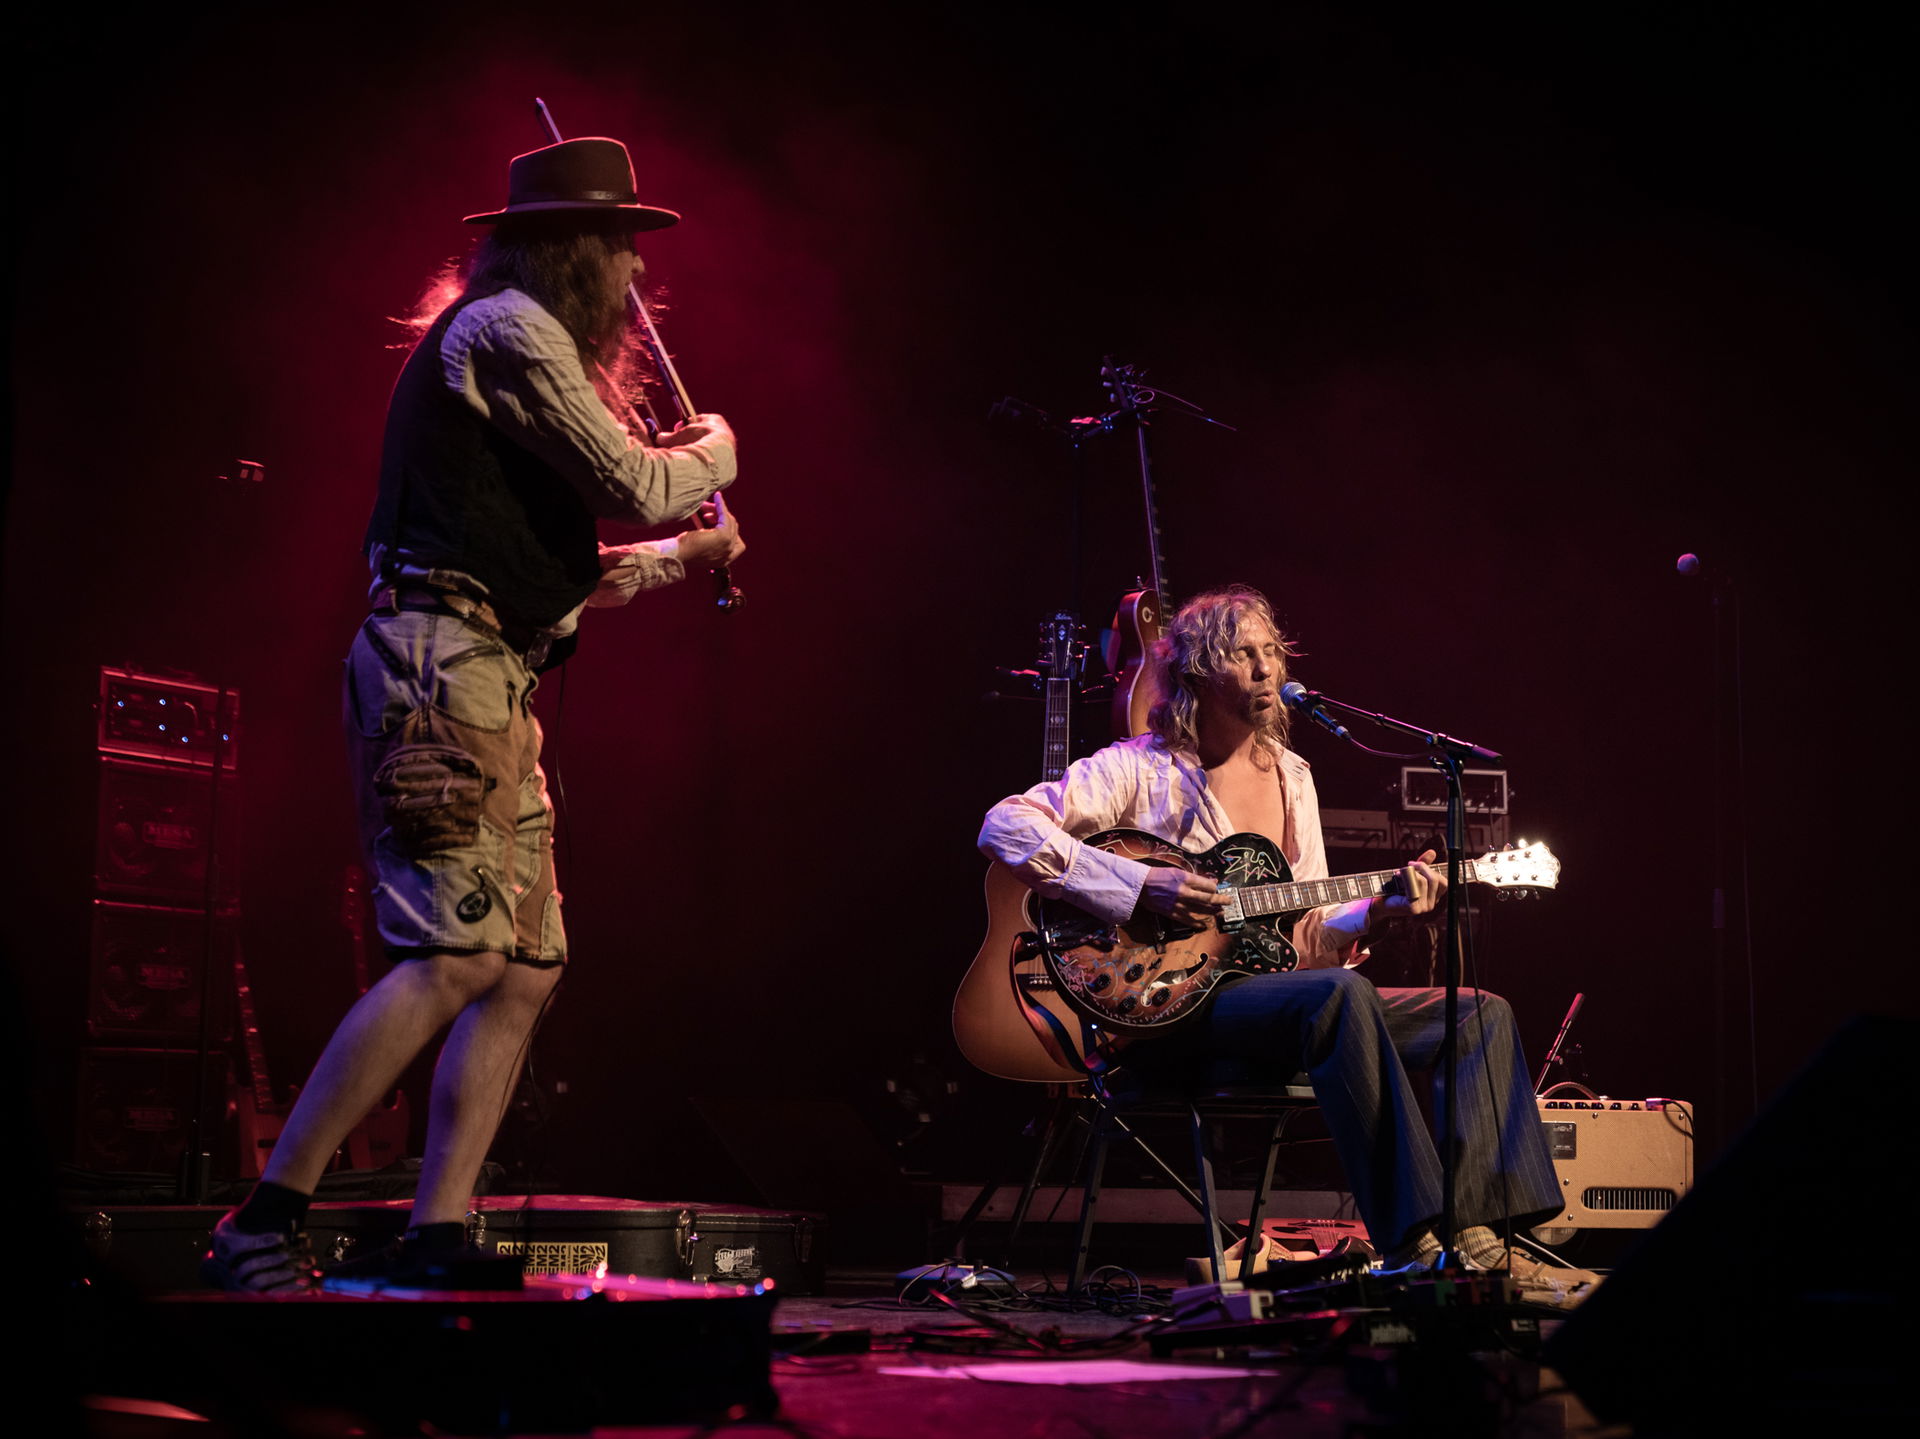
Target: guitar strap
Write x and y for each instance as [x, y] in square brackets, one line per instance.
[1089, 1054]
[1085, 1051]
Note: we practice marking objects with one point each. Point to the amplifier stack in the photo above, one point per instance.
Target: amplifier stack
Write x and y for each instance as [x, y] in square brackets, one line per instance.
[164, 910]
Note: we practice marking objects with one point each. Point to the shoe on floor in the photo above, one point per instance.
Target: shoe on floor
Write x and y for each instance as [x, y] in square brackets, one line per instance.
[405, 1263]
[270, 1263]
[1558, 1285]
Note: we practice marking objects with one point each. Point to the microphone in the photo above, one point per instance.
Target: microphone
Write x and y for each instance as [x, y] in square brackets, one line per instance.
[1299, 698]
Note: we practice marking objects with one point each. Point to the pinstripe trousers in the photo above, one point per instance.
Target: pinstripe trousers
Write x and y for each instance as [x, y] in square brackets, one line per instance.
[1356, 1044]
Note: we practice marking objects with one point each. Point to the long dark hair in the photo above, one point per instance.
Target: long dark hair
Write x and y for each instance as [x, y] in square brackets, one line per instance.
[560, 260]
[1195, 646]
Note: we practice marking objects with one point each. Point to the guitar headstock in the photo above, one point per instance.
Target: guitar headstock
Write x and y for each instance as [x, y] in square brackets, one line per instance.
[1123, 384]
[1063, 654]
[1518, 868]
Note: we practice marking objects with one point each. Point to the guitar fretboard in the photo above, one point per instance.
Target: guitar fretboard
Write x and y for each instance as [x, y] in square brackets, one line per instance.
[1312, 893]
[1053, 750]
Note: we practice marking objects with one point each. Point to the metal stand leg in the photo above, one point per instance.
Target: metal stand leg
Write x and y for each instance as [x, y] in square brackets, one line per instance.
[1256, 1237]
[1057, 1122]
[1209, 1197]
[1089, 1201]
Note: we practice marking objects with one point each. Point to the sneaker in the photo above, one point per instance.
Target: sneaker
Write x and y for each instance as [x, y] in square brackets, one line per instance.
[405, 1263]
[1559, 1286]
[271, 1263]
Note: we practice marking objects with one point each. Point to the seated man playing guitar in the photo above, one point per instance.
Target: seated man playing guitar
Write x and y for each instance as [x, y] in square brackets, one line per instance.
[1215, 765]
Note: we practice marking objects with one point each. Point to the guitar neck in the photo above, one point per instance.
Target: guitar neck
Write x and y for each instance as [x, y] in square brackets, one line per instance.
[1053, 749]
[1258, 899]
[250, 1036]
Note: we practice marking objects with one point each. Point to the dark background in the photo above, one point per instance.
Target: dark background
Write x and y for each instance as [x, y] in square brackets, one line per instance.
[1510, 306]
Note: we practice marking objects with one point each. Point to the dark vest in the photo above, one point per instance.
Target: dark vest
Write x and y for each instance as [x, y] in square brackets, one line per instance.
[456, 493]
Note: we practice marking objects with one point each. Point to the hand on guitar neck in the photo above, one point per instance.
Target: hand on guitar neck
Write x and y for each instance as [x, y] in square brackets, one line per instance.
[1415, 892]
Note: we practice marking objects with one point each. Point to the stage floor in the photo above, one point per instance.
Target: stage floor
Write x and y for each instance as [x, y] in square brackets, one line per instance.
[905, 1390]
[857, 1364]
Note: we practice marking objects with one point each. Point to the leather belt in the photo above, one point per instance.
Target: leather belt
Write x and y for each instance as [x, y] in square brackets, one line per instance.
[531, 645]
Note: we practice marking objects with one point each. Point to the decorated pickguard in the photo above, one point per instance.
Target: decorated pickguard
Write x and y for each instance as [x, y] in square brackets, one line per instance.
[1151, 972]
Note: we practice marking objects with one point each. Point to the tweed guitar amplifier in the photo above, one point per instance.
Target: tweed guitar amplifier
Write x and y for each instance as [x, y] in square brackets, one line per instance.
[1622, 1163]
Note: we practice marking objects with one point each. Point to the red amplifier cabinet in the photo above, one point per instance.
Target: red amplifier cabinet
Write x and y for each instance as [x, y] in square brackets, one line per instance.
[135, 1106]
[144, 979]
[151, 838]
[1623, 1163]
[167, 718]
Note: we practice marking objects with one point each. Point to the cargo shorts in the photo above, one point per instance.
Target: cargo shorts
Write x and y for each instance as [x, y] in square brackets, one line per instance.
[454, 815]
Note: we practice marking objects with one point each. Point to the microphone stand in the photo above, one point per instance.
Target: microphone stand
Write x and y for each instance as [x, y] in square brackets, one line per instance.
[1133, 401]
[1449, 756]
[193, 1180]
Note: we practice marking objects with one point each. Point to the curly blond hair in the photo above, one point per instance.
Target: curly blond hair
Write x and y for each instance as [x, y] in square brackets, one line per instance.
[1195, 647]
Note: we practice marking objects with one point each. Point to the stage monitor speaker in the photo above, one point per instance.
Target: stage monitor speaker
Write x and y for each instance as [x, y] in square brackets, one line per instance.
[1722, 1316]
[1623, 1163]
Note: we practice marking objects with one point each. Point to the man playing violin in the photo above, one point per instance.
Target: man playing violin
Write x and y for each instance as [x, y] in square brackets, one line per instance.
[1214, 764]
[502, 451]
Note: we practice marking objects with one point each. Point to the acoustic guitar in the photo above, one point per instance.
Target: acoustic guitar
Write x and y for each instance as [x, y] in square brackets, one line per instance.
[993, 1027]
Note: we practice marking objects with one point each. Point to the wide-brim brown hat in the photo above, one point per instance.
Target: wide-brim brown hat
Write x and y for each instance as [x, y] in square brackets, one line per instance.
[591, 173]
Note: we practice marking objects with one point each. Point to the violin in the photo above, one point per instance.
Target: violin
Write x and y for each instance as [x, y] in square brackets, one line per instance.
[726, 594]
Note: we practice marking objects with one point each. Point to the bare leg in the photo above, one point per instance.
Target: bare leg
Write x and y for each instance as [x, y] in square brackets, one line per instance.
[381, 1034]
[472, 1083]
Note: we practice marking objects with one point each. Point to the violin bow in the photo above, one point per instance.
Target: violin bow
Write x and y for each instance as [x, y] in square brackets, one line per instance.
[726, 594]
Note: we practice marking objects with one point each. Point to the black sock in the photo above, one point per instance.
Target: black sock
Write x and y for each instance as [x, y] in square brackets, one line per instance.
[272, 1208]
[438, 1238]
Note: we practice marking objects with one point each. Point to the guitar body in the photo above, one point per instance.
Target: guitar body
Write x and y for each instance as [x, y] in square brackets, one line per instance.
[1136, 627]
[991, 1024]
[1151, 972]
